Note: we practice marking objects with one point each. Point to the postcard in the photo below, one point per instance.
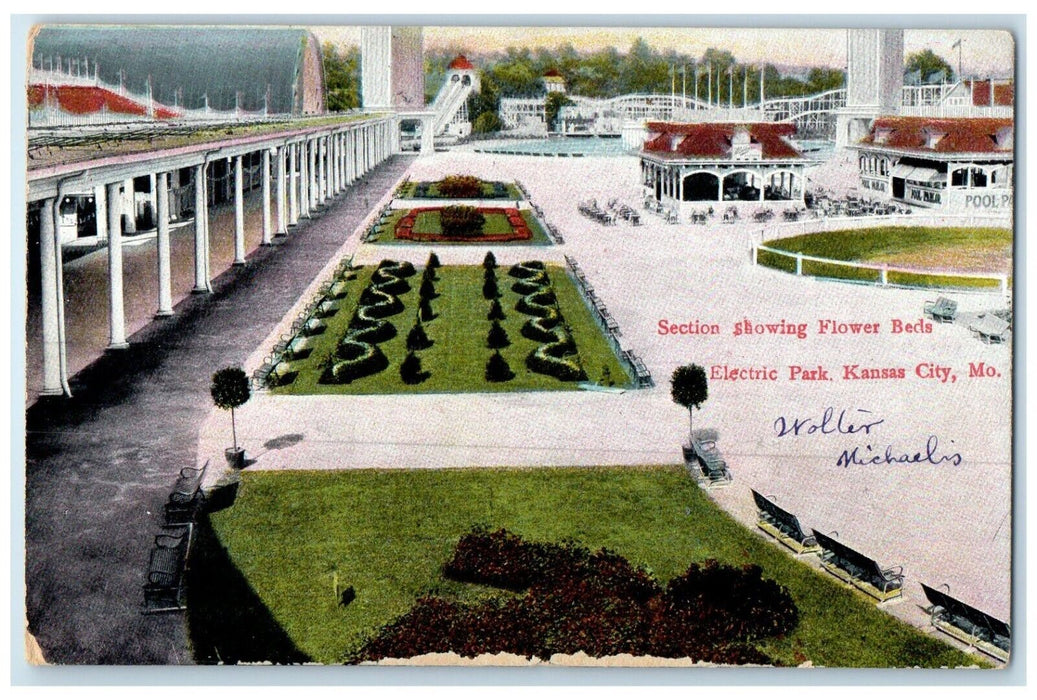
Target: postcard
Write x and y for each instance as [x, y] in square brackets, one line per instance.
[519, 346]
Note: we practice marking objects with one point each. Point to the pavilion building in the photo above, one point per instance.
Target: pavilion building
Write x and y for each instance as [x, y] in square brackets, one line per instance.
[684, 166]
[954, 164]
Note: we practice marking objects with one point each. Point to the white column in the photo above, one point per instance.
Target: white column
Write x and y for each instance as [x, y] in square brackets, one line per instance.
[323, 170]
[293, 194]
[201, 248]
[304, 179]
[350, 155]
[239, 214]
[282, 225]
[101, 212]
[165, 288]
[129, 206]
[265, 178]
[49, 255]
[312, 184]
[339, 181]
[116, 316]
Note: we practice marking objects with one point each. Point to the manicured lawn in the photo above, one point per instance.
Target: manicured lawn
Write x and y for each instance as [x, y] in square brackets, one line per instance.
[428, 223]
[457, 359]
[292, 535]
[408, 191]
[969, 250]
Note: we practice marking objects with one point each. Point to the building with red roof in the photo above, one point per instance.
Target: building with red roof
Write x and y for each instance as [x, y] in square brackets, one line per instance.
[717, 162]
[951, 163]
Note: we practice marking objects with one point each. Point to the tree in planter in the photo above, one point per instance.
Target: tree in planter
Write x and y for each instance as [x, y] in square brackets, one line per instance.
[689, 388]
[497, 337]
[230, 389]
[489, 262]
[496, 312]
[418, 339]
[497, 368]
[410, 370]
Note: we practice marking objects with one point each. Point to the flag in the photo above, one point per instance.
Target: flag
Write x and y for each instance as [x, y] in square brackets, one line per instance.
[956, 44]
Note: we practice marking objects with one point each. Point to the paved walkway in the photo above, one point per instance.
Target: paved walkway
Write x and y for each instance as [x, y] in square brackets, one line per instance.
[99, 466]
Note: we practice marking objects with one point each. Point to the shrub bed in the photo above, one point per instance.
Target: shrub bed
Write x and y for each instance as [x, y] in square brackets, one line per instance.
[557, 354]
[598, 603]
[357, 353]
[463, 224]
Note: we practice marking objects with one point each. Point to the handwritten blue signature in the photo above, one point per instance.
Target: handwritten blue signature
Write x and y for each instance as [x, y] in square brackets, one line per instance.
[868, 456]
[830, 423]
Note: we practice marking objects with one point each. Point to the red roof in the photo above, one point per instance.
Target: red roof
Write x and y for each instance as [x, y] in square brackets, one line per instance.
[460, 63]
[960, 135]
[87, 99]
[552, 73]
[1004, 93]
[713, 140]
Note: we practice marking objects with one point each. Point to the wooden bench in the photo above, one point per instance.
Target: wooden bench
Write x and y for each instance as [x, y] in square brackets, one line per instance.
[704, 461]
[186, 497]
[167, 566]
[859, 571]
[783, 526]
[968, 624]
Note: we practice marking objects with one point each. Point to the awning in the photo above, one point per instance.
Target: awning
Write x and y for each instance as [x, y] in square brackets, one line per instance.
[903, 171]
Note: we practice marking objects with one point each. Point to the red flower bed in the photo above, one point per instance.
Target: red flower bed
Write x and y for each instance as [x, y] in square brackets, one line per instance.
[598, 603]
[520, 229]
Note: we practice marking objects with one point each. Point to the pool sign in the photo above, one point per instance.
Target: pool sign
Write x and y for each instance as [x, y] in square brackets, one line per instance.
[991, 200]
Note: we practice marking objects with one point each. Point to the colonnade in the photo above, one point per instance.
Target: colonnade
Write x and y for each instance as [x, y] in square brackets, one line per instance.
[300, 174]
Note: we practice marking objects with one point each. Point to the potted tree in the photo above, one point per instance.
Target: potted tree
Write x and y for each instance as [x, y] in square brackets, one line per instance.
[689, 388]
[230, 389]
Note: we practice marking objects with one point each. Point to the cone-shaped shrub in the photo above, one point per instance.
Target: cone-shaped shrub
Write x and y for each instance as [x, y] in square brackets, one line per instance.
[410, 370]
[433, 261]
[429, 274]
[496, 312]
[489, 288]
[497, 369]
[497, 337]
[418, 339]
[427, 289]
[489, 262]
[425, 313]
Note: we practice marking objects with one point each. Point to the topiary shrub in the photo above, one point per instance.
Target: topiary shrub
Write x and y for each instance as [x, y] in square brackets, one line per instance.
[497, 369]
[497, 338]
[461, 221]
[460, 187]
[490, 289]
[354, 359]
[496, 312]
[489, 262]
[417, 338]
[433, 261]
[427, 289]
[425, 312]
[410, 370]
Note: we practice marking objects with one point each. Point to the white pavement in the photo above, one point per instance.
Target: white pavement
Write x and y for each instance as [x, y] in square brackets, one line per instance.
[944, 522]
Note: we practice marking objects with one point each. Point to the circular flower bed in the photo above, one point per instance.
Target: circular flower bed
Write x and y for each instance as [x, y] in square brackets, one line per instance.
[519, 228]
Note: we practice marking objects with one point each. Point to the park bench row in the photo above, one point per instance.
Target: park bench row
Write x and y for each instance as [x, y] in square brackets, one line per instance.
[295, 344]
[948, 614]
[167, 560]
[669, 215]
[990, 327]
[552, 230]
[591, 210]
[704, 462]
[377, 227]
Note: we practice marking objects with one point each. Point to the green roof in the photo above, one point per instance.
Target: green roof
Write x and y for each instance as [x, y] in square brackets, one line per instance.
[219, 62]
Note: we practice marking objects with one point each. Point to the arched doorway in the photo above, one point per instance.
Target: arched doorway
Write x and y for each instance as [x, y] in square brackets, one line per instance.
[701, 187]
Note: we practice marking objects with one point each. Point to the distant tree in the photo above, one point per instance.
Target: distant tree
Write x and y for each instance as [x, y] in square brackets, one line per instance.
[928, 66]
[486, 123]
[552, 106]
[341, 76]
[689, 388]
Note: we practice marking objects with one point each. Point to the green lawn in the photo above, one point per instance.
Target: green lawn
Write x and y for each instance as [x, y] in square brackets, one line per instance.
[457, 359]
[409, 189]
[915, 247]
[291, 535]
[428, 222]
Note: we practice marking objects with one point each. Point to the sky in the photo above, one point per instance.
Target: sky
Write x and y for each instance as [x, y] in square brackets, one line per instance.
[984, 52]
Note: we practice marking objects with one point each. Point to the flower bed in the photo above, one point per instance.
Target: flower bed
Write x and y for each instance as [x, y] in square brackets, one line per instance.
[520, 229]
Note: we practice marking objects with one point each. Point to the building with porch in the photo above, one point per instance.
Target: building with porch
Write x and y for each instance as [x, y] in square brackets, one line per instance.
[685, 166]
[956, 164]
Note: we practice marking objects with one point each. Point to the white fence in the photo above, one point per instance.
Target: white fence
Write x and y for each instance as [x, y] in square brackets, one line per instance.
[882, 274]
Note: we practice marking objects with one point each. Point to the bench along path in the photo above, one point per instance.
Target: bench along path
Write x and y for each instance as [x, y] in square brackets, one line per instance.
[100, 466]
